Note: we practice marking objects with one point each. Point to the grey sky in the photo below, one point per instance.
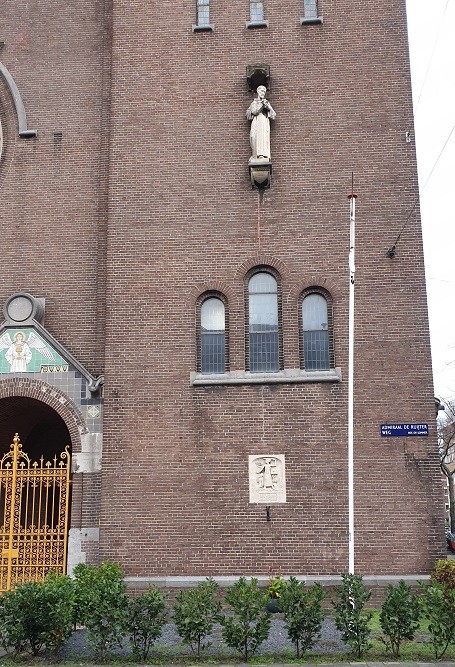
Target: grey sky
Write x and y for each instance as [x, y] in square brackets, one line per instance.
[431, 27]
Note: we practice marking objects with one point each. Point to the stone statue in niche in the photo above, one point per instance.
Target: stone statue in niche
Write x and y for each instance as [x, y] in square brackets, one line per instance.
[260, 113]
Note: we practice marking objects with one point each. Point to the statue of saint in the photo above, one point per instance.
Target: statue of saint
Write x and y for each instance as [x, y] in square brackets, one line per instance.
[260, 112]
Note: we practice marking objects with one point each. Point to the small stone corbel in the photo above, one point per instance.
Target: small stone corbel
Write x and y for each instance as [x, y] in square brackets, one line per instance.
[94, 385]
[260, 174]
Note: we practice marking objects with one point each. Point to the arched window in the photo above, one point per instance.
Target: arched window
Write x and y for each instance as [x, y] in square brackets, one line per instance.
[263, 339]
[213, 336]
[315, 332]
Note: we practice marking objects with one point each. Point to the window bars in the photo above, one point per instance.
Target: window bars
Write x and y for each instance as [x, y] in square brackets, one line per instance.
[213, 336]
[263, 324]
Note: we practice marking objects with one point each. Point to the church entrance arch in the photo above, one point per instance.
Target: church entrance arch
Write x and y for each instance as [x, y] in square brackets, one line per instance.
[42, 430]
[35, 485]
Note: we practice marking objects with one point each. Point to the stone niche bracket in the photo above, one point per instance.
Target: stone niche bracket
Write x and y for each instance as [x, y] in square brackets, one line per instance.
[260, 174]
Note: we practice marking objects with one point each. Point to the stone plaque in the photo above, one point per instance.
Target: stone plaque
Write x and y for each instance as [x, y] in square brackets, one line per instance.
[267, 479]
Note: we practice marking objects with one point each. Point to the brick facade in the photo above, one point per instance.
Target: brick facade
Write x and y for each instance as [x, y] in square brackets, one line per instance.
[143, 203]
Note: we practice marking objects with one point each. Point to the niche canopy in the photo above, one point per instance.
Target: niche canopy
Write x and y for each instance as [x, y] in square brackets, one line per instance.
[258, 75]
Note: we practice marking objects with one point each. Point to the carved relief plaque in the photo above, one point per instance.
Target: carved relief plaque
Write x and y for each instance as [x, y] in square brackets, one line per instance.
[267, 479]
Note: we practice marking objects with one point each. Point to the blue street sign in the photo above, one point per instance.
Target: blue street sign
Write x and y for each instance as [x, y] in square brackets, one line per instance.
[400, 430]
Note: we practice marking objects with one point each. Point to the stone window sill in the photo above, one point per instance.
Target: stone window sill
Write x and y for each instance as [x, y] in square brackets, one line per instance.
[256, 24]
[290, 375]
[317, 20]
[209, 27]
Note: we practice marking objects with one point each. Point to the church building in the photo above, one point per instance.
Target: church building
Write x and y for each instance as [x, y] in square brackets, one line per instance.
[178, 185]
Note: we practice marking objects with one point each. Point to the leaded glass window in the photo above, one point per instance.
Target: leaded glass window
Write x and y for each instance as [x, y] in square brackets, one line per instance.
[213, 336]
[256, 11]
[203, 12]
[315, 330]
[263, 323]
[311, 9]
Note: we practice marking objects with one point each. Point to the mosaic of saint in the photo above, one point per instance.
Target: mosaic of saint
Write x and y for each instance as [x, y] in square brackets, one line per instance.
[24, 351]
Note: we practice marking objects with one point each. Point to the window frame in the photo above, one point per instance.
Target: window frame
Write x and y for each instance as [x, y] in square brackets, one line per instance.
[199, 5]
[212, 294]
[306, 13]
[199, 26]
[328, 298]
[271, 271]
[313, 19]
[254, 21]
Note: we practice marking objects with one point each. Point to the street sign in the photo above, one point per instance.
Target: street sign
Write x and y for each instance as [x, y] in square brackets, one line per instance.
[400, 430]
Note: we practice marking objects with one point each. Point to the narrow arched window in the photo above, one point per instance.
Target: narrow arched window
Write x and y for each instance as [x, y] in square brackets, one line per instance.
[263, 323]
[213, 336]
[315, 332]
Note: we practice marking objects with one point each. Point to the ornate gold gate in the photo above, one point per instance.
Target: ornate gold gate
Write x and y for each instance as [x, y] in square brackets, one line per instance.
[34, 501]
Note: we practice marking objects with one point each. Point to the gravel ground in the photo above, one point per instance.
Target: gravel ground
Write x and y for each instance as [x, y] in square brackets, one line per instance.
[170, 644]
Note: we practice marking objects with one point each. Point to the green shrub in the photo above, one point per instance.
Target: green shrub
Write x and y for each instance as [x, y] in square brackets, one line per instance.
[350, 617]
[101, 604]
[145, 617]
[12, 631]
[444, 573]
[303, 613]
[276, 587]
[60, 595]
[247, 624]
[196, 611]
[399, 617]
[37, 615]
[438, 604]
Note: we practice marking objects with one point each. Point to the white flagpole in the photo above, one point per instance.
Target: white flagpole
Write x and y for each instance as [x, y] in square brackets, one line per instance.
[352, 197]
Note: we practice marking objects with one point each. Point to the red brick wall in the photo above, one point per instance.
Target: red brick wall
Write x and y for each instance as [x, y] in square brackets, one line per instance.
[53, 203]
[179, 214]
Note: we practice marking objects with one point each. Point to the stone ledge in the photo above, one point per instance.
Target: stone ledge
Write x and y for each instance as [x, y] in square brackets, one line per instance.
[290, 375]
[316, 20]
[134, 583]
[251, 25]
[209, 27]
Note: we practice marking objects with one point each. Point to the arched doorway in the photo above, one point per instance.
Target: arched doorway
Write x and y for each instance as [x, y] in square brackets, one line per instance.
[35, 457]
[41, 429]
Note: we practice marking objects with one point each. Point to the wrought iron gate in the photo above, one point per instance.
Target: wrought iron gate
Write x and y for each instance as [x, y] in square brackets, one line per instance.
[34, 502]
